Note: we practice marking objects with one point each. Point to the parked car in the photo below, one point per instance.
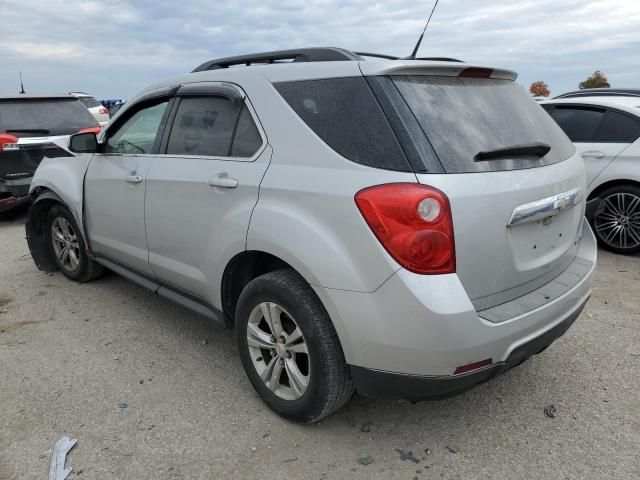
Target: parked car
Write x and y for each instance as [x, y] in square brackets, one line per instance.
[403, 228]
[99, 111]
[28, 126]
[606, 131]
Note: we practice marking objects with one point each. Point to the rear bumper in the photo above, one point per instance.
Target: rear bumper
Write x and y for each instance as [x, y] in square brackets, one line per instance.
[14, 193]
[375, 383]
[426, 325]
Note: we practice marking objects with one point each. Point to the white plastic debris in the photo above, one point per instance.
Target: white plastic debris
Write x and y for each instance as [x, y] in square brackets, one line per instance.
[56, 469]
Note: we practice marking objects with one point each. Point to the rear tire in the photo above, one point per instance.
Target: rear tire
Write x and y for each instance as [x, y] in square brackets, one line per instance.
[68, 248]
[617, 224]
[302, 375]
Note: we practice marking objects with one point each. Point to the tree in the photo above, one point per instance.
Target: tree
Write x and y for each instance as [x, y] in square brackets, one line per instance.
[539, 89]
[597, 80]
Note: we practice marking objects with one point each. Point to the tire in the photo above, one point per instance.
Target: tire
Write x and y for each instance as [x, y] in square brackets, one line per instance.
[285, 296]
[617, 223]
[63, 233]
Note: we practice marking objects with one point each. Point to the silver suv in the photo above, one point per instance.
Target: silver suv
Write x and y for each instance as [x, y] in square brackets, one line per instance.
[401, 228]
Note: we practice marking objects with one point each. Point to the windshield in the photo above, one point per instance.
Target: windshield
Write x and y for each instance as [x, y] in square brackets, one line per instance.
[44, 116]
[462, 117]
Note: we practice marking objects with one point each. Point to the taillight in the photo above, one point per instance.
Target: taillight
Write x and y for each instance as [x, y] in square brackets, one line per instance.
[475, 72]
[8, 142]
[103, 111]
[413, 223]
[95, 130]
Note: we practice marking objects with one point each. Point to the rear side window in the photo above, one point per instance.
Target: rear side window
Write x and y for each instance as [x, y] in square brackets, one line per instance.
[213, 126]
[580, 124]
[619, 128]
[462, 117]
[344, 113]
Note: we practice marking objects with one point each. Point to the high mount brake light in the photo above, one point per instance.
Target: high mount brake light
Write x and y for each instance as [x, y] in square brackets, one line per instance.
[475, 72]
[413, 223]
[95, 130]
[8, 142]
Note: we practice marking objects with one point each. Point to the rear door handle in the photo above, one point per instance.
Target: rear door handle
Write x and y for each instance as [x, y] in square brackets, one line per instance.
[222, 181]
[134, 178]
[593, 154]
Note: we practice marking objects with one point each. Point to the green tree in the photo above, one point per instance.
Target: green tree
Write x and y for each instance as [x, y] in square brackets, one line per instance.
[597, 80]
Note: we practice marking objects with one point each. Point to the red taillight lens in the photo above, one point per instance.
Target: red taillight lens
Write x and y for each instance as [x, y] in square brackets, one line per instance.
[413, 223]
[475, 72]
[473, 366]
[103, 111]
[10, 141]
[95, 130]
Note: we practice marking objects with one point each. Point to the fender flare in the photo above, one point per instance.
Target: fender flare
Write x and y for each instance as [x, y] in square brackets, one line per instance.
[35, 230]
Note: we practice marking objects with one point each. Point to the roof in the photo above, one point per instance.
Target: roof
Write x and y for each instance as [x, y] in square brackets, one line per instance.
[627, 104]
[36, 96]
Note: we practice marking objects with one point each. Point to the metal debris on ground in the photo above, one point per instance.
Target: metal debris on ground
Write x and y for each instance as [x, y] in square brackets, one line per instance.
[123, 405]
[452, 449]
[407, 455]
[57, 471]
[550, 411]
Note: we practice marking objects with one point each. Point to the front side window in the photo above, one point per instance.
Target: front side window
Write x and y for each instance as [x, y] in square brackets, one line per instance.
[580, 124]
[137, 135]
[214, 127]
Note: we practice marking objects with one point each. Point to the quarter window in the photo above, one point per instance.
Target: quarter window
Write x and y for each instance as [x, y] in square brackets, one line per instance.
[138, 134]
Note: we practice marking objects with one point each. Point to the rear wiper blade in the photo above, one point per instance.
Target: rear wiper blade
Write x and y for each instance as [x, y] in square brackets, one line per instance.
[537, 149]
[28, 130]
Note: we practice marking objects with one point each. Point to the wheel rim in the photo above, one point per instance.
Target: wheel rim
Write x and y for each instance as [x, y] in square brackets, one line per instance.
[618, 224]
[65, 244]
[278, 351]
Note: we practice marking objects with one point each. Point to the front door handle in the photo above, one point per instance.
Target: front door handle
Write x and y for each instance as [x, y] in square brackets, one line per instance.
[134, 179]
[593, 154]
[222, 181]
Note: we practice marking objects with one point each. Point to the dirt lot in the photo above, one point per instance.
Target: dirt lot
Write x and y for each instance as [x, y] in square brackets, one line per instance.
[152, 391]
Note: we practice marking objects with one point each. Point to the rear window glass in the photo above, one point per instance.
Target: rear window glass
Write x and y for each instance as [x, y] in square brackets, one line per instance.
[344, 113]
[618, 128]
[46, 117]
[90, 102]
[580, 124]
[462, 117]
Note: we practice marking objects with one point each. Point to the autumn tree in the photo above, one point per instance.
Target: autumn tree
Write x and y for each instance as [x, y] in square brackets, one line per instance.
[539, 89]
[597, 80]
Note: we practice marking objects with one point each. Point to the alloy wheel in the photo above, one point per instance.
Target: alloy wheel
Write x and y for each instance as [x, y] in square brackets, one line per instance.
[65, 244]
[278, 350]
[618, 224]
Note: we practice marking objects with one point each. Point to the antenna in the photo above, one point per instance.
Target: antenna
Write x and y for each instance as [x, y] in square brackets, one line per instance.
[21, 85]
[415, 50]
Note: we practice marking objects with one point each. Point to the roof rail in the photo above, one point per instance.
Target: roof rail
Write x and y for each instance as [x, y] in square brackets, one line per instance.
[329, 54]
[377, 55]
[602, 92]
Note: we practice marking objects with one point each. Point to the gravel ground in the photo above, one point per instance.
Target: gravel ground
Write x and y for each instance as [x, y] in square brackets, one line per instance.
[72, 356]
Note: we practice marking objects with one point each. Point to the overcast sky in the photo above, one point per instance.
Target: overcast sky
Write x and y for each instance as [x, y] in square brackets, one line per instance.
[112, 49]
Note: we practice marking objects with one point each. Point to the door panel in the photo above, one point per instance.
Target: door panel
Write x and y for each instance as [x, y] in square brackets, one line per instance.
[197, 220]
[115, 186]
[114, 208]
[598, 155]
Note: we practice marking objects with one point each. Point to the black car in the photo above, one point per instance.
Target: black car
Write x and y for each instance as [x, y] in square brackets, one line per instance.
[28, 124]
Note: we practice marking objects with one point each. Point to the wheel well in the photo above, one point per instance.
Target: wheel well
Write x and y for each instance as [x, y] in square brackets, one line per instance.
[36, 234]
[613, 183]
[243, 268]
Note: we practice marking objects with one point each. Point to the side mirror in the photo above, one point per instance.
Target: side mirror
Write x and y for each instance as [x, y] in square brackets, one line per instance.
[83, 143]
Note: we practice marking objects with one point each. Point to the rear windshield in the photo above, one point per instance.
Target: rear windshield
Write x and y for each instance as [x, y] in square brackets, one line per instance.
[462, 117]
[90, 102]
[44, 116]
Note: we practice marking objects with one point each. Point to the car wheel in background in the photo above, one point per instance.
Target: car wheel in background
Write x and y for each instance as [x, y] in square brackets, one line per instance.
[617, 221]
[68, 247]
[289, 348]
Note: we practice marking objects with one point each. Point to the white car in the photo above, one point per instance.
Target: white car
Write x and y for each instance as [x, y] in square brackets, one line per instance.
[99, 111]
[605, 129]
